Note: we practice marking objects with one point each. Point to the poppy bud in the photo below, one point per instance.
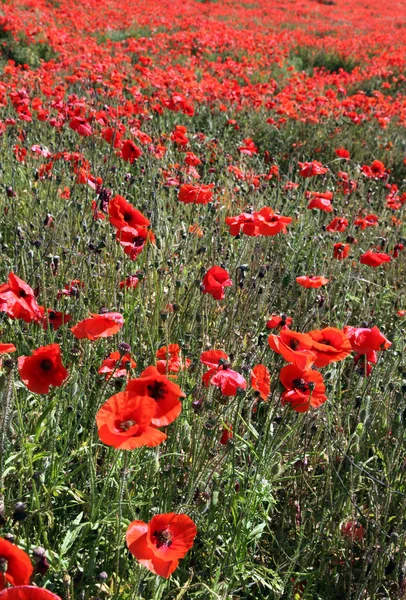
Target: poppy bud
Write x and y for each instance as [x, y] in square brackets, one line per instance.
[197, 405]
[19, 513]
[10, 192]
[102, 576]
[123, 348]
[37, 244]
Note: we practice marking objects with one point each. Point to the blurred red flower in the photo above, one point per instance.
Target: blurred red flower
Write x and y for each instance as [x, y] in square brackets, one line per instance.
[170, 359]
[42, 369]
[98, 326]
[374, 259]
[329, 345]
[341, 251]
[159, 544]
[117, 365]
[17, 565]
[53, 318]
[130, 152]
[279, 321]
[367, 341]
[214, 282]
[310, 169]
[303, 388]
[312, 281]
[196, 194]
[123, 214]
[295, 347]
[261, 381]
[337, 224]
[7, 348]
[18, 301]
[27, 592]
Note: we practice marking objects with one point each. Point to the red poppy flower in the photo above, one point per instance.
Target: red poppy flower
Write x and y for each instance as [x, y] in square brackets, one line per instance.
[124, 422]
[310, 169]
[192, 160]
[53, 318]
[353, 530]
[320, 201]
[170, 359]
[123, 214]
[117, 365]
[312, 281]
[213, 358]
[261, 381]
[17, 568]
[226, 435]
[245, 222]
[294, 347]
[376, 170]
[337, 224]
[303, 388]
[368, 221]
[18, 301]
[130, 282]
[98, 326]
[229, 381]
[159, 544]
[196, 194]
[342, 153]
[133, 240]
[367, 341]
[42, 369]
[81, 126]
[71, 289]
[341, 251]
[165, 393]
[130, 152]
[27, 592]
[7, 348]
[270, 223]
[330, 345]
[374, 259]
[214, 282]
[279, 321]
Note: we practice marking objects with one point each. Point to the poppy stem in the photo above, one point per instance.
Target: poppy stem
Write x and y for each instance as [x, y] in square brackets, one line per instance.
[5, 407]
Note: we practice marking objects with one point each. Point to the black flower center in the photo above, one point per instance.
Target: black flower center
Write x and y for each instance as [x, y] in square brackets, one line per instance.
[294, 344]
[300, 384]
[157, 390]
[46, 364]
[126, 425]
[127, 217]
[162, 538]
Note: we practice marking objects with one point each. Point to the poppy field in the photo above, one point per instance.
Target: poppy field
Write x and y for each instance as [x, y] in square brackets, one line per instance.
[202, 300]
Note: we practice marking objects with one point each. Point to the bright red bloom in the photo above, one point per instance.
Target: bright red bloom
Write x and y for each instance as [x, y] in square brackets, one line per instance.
[159, 544]
[220, 374]
[124, 422]
[18, 301]
[226, 435]
[212, 358]
[270, 223]
[71, 289]
[192, 160]
[303, 388]
[27, 592]
[337, 224]
[170, 360]
[368, 221]
[245, 222]
[367, 341]
[261, 381]
[81, 126]
[341, 251]
[312, 281]
[249, 148]
[42, 369]
[130, 152]
[294, 347]
[133, 240]
[342, 153]
[130, 282]
[122, 214]
[98, 326]
[17, 565]
[374, 259]
[165, 394]
[214, 282]
[353, 530]
[279, 321]
[320, 201]
[330, 345]
[7, 348]
[53, 318]
[310, 169]
[376, 170]
[117, 365]
[196, 194]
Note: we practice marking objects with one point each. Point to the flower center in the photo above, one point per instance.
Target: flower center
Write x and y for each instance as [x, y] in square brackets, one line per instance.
[126, 425]
[127, 217]
[3, 565]
[294, 344]
[138, 241]
[300, 384]
[22, 294]
[162, 538]
[46, 364]
[157, 390]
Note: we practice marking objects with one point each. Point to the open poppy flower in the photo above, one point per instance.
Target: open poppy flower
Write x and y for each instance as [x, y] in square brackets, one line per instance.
[7, 348]
[310, 169]
[18, 301]
[341, 251]
[281, 321]
[368, 221]
[170, 359]
[53, 318]
[130, 282]
[196, 194]
[353, 531]
[27, 592]
[71, 289]
[270, 223]
[123, 214]
[42, 369]
[374, 259]
[220, 374]
[295, 347]
[81, 126]
[338, 224]
[214, 282]
[130, 151]
[245, 222]
[164, 393]
[159, 544]
[133, 240]
[117, 365]
[261, 381]
[98, 326]
[303, 388]
[367, 341]
[342, 153]
[226, 435]
[320, 200]
[16, 565]
[124, 422]
[330, 345]
[311, 282]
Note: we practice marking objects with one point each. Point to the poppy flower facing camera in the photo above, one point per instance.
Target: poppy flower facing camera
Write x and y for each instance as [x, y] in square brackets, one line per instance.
[42, 369]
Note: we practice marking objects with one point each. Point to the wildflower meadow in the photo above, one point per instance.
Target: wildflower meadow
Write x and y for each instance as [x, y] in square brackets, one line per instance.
[202, 300]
